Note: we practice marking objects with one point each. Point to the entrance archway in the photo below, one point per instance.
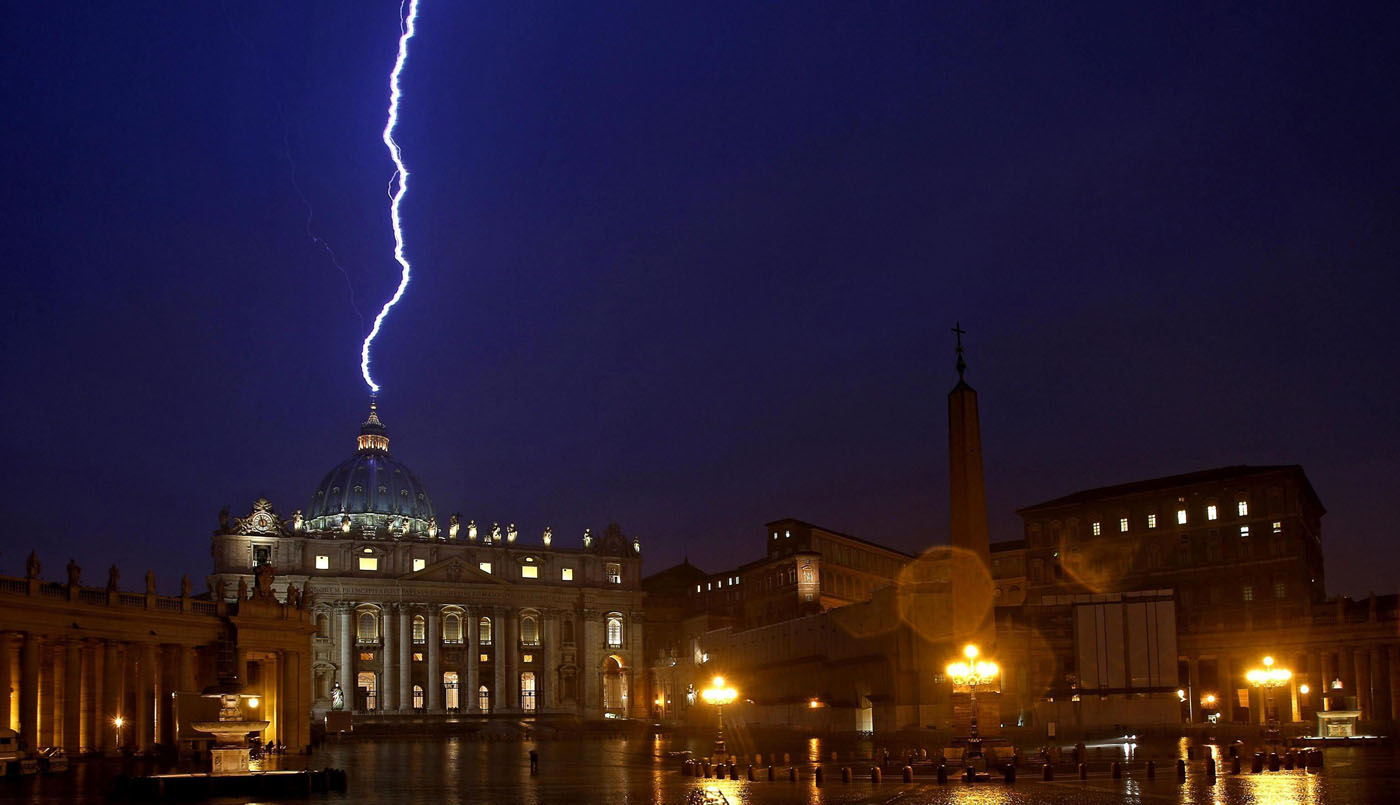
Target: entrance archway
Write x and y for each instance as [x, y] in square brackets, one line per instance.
[614, 686]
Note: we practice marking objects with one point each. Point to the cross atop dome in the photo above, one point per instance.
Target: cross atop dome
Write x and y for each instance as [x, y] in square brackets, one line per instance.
[373, 435]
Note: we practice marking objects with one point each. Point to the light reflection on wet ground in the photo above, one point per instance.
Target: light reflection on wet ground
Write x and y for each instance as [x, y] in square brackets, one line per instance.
[411, 771]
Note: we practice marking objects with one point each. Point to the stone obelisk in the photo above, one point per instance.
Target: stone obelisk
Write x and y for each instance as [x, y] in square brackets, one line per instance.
[967, 492]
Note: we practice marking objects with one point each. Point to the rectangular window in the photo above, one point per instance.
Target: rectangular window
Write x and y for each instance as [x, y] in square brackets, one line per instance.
[1181, 517]
[1248, 593]
[1151, 521]
[262, 555]
[367, 656]
[1244, 532]
[527, 658]
[1242, 508]
[1211, 512]
[485, 566]
[419, 564]
[1096, 528]
[567, 574]
[323, 562]
[485, 658]
[529, 572]
[417, 656]
[1278, 526]
[612, 571]
[369, 562]
[1280, 590]
[1123, 524]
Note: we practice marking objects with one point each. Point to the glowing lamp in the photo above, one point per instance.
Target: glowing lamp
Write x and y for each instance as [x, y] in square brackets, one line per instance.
[718, 693]
[118, 722]
[253, 702]
[1304, 689]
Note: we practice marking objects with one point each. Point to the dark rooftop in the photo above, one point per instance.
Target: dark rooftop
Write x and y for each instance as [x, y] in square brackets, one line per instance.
[1218, 475]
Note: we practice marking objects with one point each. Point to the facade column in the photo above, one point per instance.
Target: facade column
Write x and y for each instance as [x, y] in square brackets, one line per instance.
[6, 682]
[1392, 653]
[510, 646]
[472, 640]
[389, 688]
[29, 662]
[92, 697]
[1362, 665]
[498, 660]
[50, 683]
[111, 695]
[1380, 687]
[294, 709]
[1228, 692]
[434, 636]
[146, 699]
[545, 676]
[188, 659]
[405, 650]
[346, 614]
[72, 697]
[590, 660]
[638, 697]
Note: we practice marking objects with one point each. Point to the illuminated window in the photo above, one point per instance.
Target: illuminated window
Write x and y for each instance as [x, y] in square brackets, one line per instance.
[697, 587]
[1181, 517]
[323, 562]
[567, 574]
[527, 691]
[1244, 532]
[420, 629]
[1097, 529]
[527, 658]
[485, 658]
[485, 566]
[367, 656]
[483, 631]
[1248, 592]
[417, 697]
[612, 571]
[529, 572]
[614, 630]
[1242, 508]
[529, 630]
[368, 626]
[1123, 524]
[369, 562]
[1280, 590]
[417, 656]
[483, 699]
[419, 564]
[452, 628]
[1211, 512]
[1151, 521]
[1278, 526]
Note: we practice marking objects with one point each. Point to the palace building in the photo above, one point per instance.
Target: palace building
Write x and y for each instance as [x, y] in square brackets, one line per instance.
[415, 617]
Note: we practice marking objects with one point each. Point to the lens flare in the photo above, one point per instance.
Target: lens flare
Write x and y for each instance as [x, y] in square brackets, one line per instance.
[398, 183]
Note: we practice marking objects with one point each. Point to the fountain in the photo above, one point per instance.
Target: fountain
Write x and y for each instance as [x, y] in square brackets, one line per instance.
[230, 752]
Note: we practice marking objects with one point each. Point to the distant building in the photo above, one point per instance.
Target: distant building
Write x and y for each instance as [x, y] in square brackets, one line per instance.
[414, 616]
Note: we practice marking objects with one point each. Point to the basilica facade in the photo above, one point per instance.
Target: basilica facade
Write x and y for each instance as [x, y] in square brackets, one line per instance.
[415, 617]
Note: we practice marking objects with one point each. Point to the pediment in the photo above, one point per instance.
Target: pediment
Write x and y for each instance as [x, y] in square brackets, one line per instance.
[453, 570]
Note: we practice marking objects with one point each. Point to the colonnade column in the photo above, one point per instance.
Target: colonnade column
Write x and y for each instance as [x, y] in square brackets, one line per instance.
[405, 649]
[294, 708]
[545, 681]
[498, 660]
[49, 735]
[1362, 666]
[347, 658]
[638, 699]
[1330, 672]
[511, 646]
[72, 696]
[1317, 684]
[1392, 657]
[1193, 688]
[1380, 684]
[29, 691]
[111, 695]
[389, 689]
[147, 701]
[1228, 701]
[1346, 670]
[434, 637]
[92, 696]
[472, 640]
[590, 659]
[6, 683]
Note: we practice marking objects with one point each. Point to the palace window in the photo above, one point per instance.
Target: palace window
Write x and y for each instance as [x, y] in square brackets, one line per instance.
[1280, 590]
[483, 631]
[483, 699]
[452, 628]
[1152, 520]
[1244, 532]
[1122, 524]
[323, 562]
[1181, 517]
[1278, 526]
[567, 574]
[369, 562]
[612, 571]
[417, 697]
[529, 572]
[485, 566]
[527, 691]
[1242, 508]
[420, 630]
[419, 564]
[1248, 592]
[449, 687]
[1096, 528]
[1211, 512]
[614, 630]
[527, 658]
[529, 630]
[368, 627]
[485, 658]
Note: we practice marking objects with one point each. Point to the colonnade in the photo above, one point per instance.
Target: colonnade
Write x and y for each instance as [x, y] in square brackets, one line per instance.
[1369, 672]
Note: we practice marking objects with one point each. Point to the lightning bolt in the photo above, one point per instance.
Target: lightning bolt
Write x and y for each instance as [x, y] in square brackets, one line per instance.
[398, 183]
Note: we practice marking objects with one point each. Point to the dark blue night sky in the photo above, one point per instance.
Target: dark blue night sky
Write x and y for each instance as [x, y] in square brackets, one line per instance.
[691, 267]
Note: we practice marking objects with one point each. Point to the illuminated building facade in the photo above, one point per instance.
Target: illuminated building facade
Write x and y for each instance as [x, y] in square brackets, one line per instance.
[416, 617]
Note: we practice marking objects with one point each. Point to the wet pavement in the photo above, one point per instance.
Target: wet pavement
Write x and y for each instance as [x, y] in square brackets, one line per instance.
[406, 771]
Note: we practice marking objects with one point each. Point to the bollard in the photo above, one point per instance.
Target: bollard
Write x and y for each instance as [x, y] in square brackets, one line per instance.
[1210, 768]
[1235, 764]
[734, 771]
[707, 768]
[792, 774]
[1256, 765]
[770, 772]
[751, 777]
[688, 768]
[846, 774]
[1117, 770]
[876, 775]
[1234, 750]
[1273, 761]
[1083, 771]
[1190, 753]
[908, 774]
[1288, 761]
[1047, 772]
[942, 775]
[819, 775]
[1009, 772]
[1180, 770]
[1151, 769]
[969, 774]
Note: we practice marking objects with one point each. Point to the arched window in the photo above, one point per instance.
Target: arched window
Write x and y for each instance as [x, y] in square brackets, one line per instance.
[449, 687]
[569, 631]
[420, 629]
[529, 630]
[417, 697]
[452, 628]
[483, 699]
[527, 691]
[368, 627]
[483, 631]
[323, 625]
[614, 630]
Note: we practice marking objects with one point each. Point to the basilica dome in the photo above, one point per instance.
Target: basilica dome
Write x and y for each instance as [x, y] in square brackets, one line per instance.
[370, 491]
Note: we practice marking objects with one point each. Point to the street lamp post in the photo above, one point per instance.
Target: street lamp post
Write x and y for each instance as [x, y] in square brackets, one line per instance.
[117, 728]
[719, 695]
[1269, 678]
[972, 674]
